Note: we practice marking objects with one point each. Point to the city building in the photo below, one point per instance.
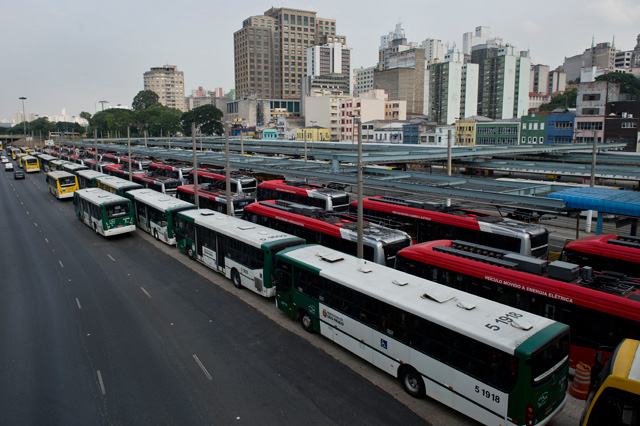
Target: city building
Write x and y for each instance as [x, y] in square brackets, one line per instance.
[168, 83]
[404, 78]
[452, 89]
[313, 134]
[539, 80]
[622, 123]
[254, 112]
[591, 109]
[497, 132]
[533, 129]
[504, 84]
[393, 42]
[270, 51]
[557, 82]
[324, 111]
[370, 106]
[560, 125]
[362, 80]
[434, 50]
[480, 36]
[537, 99]
[200, 97]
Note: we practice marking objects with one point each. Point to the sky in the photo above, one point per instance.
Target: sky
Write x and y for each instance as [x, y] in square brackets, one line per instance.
[73, 54]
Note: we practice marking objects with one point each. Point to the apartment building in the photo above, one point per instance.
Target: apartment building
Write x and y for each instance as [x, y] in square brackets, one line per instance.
[168, 83]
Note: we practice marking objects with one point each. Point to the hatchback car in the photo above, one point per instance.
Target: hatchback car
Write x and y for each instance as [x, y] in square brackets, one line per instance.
[18, 174]
[8, 167]
[4, 159]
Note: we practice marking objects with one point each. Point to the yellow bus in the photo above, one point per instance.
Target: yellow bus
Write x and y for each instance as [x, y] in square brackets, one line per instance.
[30, 164]
[614, 398]
[18, 158]
[62, 184]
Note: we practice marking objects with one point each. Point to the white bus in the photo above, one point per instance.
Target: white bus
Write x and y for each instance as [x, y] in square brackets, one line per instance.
[494, 363]
[61, 184]
[240, 250]
[106, 213]
[156, 212]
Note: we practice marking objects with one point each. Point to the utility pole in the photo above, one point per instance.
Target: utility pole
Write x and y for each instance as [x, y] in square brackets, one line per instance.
[360, 195]
[227, 170]
[195, 165]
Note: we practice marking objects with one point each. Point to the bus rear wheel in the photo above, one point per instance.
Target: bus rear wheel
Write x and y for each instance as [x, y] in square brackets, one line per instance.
[190, 253]
[235, 279]
[307, 322]
[155, 234]
[412, 382]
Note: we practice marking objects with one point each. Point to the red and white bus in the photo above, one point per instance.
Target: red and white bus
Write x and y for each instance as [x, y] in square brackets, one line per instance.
[172, 169]
[619, 253]
[601, 309]
[214, 200]
[304, 193]
[332, 230]
[139, 163]
[428, 221]
[240, 184]
[161, 184]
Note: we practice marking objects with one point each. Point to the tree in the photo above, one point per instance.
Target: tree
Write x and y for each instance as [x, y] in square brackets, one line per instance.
[85, 115]
[112, 120]
[561, 100]
[628, 82]
[208, 119]
[145, 99]
[158, 120]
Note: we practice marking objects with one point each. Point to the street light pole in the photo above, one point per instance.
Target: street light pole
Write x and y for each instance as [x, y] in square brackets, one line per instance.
[24, 117]
[227, 170]
[129, 154]
[195, 166]
[360, 195]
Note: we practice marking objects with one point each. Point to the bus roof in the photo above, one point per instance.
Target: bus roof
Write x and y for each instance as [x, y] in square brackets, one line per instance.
[29, 157]
[58, 174]
[90, 174]
[159, 201]
[118, 183]
[100, 196]
[617, 246]
[463, 312]
[247, 232]
[626, 361]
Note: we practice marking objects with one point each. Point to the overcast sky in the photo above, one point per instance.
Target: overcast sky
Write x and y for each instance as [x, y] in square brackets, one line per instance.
[72, 54]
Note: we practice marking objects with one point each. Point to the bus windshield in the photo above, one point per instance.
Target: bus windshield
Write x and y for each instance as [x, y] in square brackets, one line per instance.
[118, 209]
[548, 359]
[340, 203]
[67, 181]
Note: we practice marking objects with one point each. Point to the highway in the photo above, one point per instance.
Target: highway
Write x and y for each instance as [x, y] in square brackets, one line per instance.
[126, 331]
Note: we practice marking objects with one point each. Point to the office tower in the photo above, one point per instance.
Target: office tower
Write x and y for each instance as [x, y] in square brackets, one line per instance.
[270, 51]
[168, 83]
[453, 89]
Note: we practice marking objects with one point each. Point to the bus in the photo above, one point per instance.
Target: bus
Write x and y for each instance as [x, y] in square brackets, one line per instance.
[620, 253]
[496, 364]
[601, 308]
[88, 178]
[614, 398]
[73, 167]
[19, 158]
[61, 184]
[156, 212]
[304, 193]
[45, 159]
[116, 185]
[139, 163]
[171, 169]
[166, 185]
[30, 164]
[333, 230]
[240, 184]
[106, 213]
[427, 221]
[215, 200]
[14, 152]
[239, 250]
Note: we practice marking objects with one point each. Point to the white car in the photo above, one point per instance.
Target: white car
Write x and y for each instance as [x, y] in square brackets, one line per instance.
[5, 160]
[8, 167]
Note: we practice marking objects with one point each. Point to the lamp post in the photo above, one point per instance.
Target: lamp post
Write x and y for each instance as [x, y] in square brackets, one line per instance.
[360, 247]
[195, 165]
[227, 170]
[24, 117]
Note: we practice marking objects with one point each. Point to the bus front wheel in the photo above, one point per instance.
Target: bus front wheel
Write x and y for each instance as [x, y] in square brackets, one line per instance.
[307, 322]
[235, 279]
[190, 253]
[155, 234]
[412, 382]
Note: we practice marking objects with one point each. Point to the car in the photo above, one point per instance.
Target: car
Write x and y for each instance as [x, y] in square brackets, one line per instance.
[18, 174]
[4, 159]
[8, 167]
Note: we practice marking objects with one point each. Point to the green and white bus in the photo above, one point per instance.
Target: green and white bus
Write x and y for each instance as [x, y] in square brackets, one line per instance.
[156, 212]
[239, 250]
[108, 214]
[61, 184]
[494, 363]
[89, 178]
[116, 185]
[74, 168]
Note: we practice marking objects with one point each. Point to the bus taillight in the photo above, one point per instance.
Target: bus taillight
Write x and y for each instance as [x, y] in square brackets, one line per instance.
[529, 416]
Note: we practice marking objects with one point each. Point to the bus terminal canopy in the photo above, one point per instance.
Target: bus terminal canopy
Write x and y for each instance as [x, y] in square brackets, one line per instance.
[602, 200]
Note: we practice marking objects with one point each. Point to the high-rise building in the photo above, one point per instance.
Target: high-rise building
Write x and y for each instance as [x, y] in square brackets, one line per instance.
[433, 50]
[404, 79]
[505, 84]
[539, 80]
[453, 89]
[168, 83]
[481, 36]
[270, 51]
[362, 80]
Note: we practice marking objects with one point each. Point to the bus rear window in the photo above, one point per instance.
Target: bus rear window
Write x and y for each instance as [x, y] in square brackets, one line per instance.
[117, 210]
[548, 359]
[67, 181]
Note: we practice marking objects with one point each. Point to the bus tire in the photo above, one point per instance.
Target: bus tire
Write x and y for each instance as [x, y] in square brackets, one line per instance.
[155, 234]
[95, 228]
[412, 382]
[190, 253]
[307, 322]
[235, 279]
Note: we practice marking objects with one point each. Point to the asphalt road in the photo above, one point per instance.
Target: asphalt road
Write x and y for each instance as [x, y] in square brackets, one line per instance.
[123, 331]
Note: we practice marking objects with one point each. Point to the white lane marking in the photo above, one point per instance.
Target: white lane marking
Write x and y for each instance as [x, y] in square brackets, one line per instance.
[60, 262]
[46, 240]
[206, 373]
[27, 211]
[109, 256]
[102, 389]
[35, 224]
[78, 302]
[145, 292]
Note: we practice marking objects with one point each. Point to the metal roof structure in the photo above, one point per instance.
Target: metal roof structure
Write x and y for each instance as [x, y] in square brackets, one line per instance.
[602, 200]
